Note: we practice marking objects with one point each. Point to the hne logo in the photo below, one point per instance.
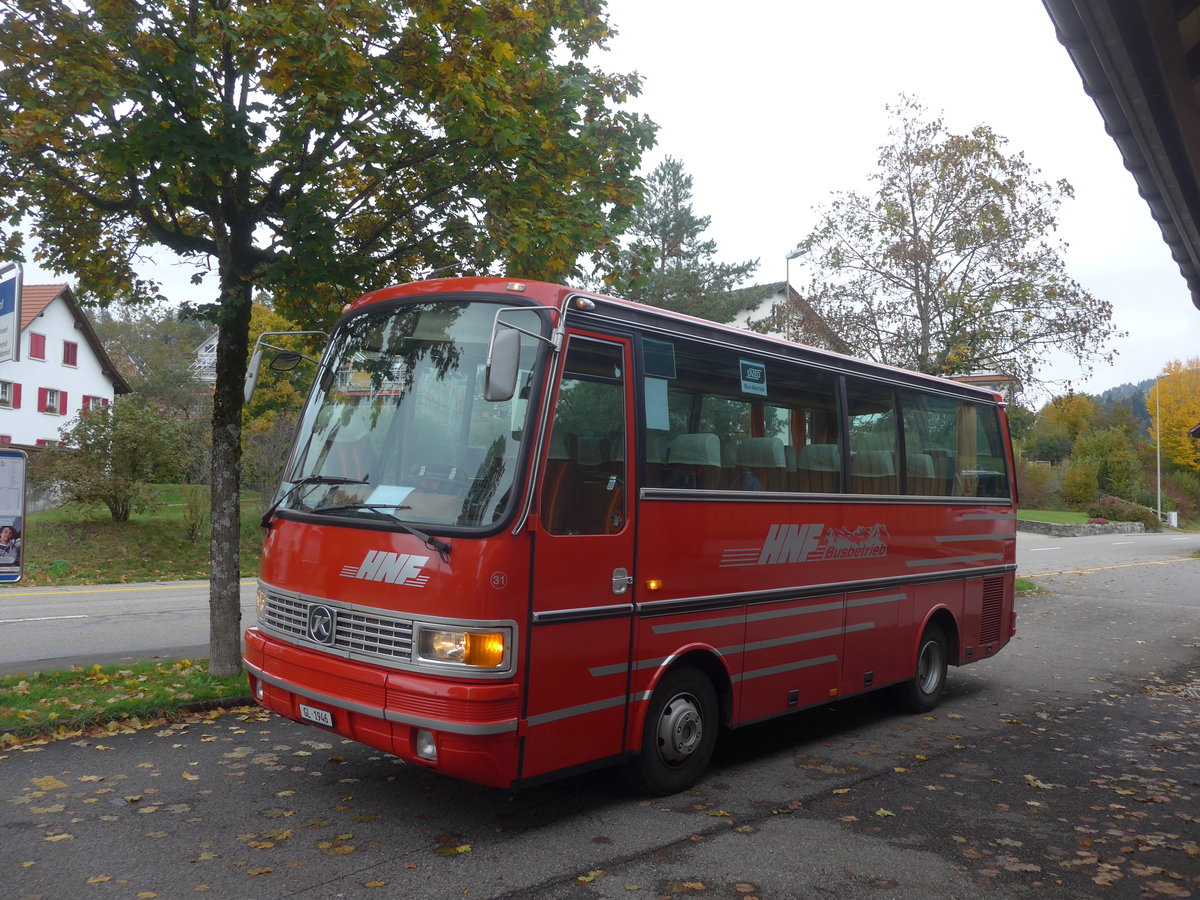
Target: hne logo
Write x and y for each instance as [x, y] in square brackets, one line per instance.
[789, 543]
[394, 568]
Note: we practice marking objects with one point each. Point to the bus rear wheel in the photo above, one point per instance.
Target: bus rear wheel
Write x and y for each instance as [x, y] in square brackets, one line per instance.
[924, 690]
[679, 736]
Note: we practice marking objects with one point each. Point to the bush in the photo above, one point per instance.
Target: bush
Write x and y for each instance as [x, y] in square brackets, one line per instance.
[1035, 484]
[1119, 511]
[1081, 482]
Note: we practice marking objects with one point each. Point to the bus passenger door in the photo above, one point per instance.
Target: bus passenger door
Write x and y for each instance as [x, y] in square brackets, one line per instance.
[583, 565]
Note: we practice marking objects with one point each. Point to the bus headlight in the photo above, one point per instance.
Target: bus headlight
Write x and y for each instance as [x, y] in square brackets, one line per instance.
[484, 649]
[260, 604]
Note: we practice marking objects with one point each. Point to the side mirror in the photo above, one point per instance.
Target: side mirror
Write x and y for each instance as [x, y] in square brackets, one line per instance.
[504, 358]
[285, 361]
[252, 372]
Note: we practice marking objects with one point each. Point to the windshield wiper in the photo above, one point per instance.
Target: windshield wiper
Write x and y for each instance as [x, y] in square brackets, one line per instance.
[306, 480]
[433, 543]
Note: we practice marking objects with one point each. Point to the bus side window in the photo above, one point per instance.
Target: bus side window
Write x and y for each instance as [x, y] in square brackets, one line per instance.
[583, 484]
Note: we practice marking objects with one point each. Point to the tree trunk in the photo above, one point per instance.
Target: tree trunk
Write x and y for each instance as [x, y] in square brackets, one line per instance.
[225, 606]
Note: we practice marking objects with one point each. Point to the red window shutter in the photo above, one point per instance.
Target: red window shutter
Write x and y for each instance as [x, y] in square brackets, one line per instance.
[16, 396]
[62, 403]
[42, 399]
[70, 353]
[87, 403]
[37, 346]
[41, 442]
[5, 439]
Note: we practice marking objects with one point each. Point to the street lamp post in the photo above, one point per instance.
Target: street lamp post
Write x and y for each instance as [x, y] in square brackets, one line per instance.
[1158, 440]
[787, 278]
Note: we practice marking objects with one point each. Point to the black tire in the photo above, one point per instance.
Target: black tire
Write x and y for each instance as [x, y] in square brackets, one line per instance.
[924, 690]
[680, 733]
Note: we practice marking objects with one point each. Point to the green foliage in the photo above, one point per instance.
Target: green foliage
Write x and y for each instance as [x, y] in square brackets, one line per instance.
[313, 149]
[111, 454]
[153, 347]
[83, 545]
[1080, 482]
[666, 263]
[1036, 484]
[197, 506]
[1118, 468]
[950, 265]
[1116, 510]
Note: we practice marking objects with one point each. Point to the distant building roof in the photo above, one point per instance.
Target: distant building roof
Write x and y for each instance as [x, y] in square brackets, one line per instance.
[34, 300]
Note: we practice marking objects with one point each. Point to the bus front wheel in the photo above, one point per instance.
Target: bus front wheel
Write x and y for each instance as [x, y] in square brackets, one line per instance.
[679, 736]
[924, 690]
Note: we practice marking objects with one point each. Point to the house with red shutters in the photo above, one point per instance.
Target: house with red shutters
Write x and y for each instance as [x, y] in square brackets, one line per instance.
[62, 369]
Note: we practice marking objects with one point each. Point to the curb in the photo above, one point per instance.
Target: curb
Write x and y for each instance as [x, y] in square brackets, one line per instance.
[1057, 530]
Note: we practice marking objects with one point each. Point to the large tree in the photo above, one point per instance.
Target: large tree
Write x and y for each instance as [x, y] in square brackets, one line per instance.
[1174, 406]
[949, 264]
[667, 262]
[314, 148]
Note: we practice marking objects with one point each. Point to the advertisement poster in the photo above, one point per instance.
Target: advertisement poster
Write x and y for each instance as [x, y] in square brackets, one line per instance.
[12, 514]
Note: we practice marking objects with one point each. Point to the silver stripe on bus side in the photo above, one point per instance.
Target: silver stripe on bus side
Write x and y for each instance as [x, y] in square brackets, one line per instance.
[958, 538]
[916, 563]
[378, 713]
[787, 667]
[871, 601]
[798, 638]
[570, 711]
[988, 517]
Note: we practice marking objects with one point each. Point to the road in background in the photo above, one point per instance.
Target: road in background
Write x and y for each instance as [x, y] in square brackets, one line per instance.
[1039, 554]
[54, 627]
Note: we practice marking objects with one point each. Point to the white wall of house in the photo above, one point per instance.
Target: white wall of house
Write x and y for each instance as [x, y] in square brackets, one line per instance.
[26, 424]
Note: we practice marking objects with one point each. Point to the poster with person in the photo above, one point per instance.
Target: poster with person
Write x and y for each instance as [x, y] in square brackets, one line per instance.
[12, 514]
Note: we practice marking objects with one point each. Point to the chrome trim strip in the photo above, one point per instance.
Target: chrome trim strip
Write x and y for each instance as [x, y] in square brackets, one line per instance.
[582, 614]
[718, 496]
[989, 517]
[680, 605]
[503, 727]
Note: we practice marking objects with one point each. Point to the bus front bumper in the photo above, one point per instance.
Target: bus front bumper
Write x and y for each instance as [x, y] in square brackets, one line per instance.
[464, 729]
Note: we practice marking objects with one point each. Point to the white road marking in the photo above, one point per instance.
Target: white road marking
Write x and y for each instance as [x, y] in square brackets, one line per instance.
[40, 619]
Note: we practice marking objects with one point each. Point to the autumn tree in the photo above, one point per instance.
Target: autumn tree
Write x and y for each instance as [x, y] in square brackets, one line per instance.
[1174, 406]
[113, 454]
[949, 265]
[153, 346]
[667, 262]
[314, 149]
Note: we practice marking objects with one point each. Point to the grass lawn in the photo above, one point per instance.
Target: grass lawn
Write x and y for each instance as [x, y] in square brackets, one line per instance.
[1054, 516]
[78, 544]
[65, 703]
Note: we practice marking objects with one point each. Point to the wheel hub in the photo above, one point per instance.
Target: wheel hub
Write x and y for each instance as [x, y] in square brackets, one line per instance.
[680, 729]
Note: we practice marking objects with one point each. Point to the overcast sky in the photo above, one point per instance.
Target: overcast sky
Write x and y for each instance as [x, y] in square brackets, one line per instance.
[774, 104]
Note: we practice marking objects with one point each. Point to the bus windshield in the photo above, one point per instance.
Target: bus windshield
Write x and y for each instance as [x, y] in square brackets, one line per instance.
[397, 427]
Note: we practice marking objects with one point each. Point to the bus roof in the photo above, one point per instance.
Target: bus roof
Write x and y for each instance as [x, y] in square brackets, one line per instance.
[669, 322]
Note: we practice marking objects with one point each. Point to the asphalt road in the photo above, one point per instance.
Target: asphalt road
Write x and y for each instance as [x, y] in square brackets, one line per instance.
[1068, 766]
[54, 627]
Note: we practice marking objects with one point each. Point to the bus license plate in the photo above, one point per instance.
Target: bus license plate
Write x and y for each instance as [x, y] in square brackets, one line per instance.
[317, 716]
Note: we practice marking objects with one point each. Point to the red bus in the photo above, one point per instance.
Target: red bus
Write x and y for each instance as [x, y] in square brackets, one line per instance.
[526, 530]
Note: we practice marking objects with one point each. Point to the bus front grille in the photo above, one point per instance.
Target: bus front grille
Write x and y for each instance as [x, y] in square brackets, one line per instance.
[356, 632]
